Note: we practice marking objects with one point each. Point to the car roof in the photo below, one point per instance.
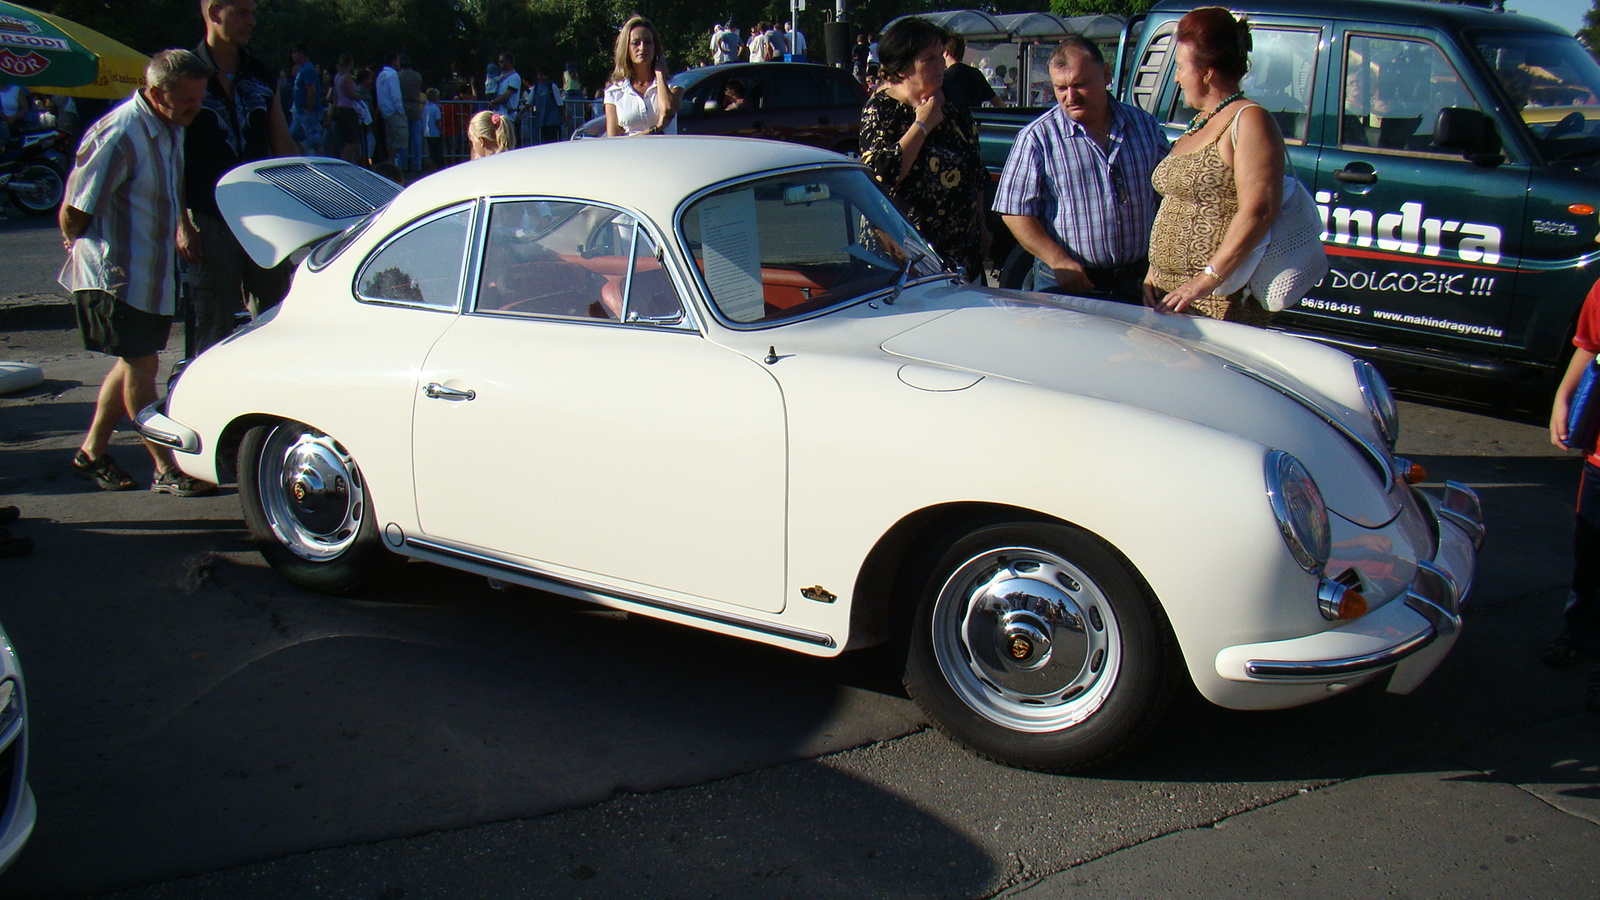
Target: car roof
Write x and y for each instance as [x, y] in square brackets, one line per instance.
[1442, 14]
[691, 77]
[651, 174]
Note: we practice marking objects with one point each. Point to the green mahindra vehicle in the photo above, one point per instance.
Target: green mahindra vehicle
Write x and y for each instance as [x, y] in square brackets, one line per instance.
[1454, 153]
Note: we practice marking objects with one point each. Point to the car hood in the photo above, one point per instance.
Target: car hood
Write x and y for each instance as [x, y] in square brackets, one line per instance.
[1177, 367]
[277, 206]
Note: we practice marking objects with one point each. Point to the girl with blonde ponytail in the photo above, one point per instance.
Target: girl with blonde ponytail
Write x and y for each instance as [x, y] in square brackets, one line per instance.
[489, 133]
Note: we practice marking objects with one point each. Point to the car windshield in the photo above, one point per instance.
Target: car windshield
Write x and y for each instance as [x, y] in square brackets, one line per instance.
[1553, 83]
[785, 245]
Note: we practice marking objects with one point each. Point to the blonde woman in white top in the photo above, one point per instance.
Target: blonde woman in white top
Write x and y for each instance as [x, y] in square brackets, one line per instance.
[638, 98]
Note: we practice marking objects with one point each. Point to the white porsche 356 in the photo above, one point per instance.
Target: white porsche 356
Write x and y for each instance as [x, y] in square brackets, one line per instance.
[725, 383]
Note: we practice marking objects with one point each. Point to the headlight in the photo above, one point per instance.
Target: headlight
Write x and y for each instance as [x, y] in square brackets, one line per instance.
[1380, 401]
[1297, 503]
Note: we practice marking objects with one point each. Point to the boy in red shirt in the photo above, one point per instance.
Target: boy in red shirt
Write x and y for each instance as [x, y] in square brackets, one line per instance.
[1582, 634]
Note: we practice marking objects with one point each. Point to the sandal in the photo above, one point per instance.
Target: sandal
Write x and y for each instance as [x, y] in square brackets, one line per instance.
[104, 472]
[174, 482]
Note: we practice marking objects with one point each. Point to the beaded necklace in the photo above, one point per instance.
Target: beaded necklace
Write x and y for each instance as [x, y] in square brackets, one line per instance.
[1200, 120]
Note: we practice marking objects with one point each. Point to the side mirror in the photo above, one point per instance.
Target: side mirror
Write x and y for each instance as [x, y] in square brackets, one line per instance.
[1470, 133]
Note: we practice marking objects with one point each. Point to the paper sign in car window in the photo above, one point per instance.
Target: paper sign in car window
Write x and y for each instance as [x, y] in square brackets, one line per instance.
[732, 251]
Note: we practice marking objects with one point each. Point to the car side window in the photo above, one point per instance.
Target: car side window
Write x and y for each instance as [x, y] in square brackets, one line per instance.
[1393, 91]
[567, 260]
[421, 267]
[1281, 67]
[795, 89]
[647, 295]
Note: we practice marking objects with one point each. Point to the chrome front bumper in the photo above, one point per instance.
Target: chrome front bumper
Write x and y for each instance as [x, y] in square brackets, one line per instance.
[1410, 635]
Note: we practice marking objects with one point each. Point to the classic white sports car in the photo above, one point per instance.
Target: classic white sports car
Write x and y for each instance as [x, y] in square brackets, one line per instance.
[725, 383]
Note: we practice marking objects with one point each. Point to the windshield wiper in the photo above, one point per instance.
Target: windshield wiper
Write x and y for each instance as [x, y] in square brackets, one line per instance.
[912, 258]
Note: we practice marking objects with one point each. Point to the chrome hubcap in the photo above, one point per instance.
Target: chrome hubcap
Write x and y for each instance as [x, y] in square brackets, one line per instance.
[1026, 639]
[311, 492]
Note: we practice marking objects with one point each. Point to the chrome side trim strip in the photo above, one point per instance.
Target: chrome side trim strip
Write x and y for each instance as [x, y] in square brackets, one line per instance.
[682, 609]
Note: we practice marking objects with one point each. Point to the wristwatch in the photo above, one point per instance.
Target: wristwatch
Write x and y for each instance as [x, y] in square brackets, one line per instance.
[1210, 270]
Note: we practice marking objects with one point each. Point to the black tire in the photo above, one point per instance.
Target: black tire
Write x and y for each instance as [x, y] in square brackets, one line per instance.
[307, 508]
[1037, 645]
[49, 187]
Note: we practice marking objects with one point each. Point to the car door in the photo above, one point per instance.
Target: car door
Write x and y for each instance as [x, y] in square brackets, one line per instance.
[727, 104]
[576, 422]
[1419, 240]
[800, 106]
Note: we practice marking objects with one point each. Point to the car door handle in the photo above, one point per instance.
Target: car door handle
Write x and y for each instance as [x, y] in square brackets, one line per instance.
[438, 391]
[1355, 177]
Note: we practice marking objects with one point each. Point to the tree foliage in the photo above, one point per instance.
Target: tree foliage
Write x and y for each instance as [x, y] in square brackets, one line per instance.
[1095, 7]
[1589, 34]
[541, 33]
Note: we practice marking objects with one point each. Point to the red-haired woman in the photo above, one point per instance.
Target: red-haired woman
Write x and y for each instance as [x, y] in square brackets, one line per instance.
[1222, 184]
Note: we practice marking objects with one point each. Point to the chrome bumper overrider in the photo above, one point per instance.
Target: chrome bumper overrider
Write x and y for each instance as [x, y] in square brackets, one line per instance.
[1411, 634]
[156, 428]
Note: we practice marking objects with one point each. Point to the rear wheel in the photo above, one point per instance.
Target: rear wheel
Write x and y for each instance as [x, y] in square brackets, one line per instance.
[307, 508]
[43, 190]
[1038, 646]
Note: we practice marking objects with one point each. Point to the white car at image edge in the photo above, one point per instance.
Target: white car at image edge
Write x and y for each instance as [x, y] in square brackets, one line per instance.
[725, 383]
[18, 811]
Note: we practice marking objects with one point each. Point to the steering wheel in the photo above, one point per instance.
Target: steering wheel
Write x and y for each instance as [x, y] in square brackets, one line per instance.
[1571, 123]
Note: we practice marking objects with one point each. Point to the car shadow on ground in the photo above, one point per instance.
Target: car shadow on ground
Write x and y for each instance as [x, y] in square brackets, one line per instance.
[192, 712]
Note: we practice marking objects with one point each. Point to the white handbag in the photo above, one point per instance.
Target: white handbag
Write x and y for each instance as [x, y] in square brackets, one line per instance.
[1293, 261]
[1289, 260]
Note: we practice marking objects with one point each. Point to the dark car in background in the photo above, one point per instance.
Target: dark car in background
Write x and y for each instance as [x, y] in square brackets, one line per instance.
[802, 103]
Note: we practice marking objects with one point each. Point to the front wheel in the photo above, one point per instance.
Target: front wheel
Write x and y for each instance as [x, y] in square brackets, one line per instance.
[1037, 646]
[37, 189]
[307, 508]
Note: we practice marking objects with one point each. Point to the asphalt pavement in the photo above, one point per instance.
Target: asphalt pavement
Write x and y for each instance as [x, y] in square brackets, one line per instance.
[201, 729]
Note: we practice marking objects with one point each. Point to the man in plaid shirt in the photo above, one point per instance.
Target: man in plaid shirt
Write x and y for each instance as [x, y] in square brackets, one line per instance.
[1076, 188]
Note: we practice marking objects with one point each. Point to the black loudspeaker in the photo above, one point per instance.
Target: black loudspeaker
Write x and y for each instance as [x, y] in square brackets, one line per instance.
[837, 37]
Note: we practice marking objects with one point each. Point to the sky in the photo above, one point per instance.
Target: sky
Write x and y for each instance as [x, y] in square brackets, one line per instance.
[1566, 13]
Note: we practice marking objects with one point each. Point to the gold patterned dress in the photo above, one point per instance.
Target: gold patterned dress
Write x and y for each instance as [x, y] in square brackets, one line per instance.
[1198, 201]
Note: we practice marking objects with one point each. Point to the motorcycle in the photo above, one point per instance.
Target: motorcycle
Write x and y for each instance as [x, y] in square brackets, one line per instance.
[33, 169]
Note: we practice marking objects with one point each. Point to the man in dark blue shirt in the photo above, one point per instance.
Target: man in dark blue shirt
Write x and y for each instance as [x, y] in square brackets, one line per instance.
[240, 121]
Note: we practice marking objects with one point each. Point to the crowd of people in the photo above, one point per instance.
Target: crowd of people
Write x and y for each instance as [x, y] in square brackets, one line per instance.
[1092, 188]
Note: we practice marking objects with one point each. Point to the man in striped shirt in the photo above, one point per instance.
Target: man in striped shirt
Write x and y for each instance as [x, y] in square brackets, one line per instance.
[1076, 190]
[119, 223]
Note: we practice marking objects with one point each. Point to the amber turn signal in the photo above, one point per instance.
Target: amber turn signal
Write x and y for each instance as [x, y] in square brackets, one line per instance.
[1409, 471]
[1581, 209]
[1336, 601]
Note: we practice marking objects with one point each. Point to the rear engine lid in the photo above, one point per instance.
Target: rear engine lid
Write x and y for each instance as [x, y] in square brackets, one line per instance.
[277, 206]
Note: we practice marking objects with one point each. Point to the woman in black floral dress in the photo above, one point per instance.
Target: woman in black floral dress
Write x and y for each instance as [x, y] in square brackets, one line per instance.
[923, 148]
